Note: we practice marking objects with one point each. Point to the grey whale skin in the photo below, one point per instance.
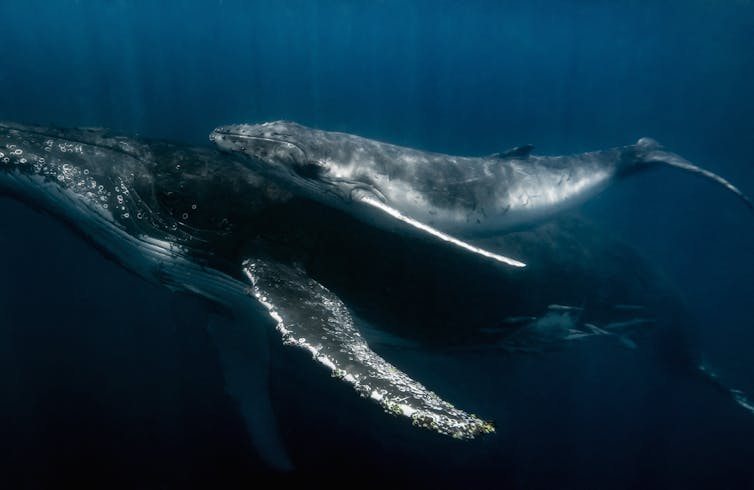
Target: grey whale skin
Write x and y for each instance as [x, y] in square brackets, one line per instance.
[195, 220]
[442, 195]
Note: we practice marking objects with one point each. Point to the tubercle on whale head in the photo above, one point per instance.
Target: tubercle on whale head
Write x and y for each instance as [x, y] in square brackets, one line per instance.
[266, 147]
[267, 151]
[281, 152]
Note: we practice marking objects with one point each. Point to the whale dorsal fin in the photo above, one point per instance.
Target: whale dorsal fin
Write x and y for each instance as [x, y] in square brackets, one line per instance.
[311, 317]
[522, 151]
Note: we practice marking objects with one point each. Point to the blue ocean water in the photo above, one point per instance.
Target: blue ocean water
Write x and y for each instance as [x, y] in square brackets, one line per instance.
[109, 378]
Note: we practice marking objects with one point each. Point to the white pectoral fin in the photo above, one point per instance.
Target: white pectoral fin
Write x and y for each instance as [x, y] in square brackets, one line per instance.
[371, 201]
[311, 317]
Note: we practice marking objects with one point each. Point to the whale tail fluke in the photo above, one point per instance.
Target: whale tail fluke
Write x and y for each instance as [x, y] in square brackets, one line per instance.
[657, 155]
[679, 162]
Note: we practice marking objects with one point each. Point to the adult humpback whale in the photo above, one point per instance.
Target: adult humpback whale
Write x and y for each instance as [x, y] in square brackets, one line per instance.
[188, 218]
[441, 195]
[197, 221]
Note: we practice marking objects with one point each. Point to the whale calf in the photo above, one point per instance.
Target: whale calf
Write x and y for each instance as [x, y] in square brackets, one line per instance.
[441, 195]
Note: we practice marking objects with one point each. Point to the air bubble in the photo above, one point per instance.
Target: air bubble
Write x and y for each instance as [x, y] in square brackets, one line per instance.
[126, 215]
[193, 206]
[184, 216]
[86, 171]
[6, 160]
[18, 152]
[138, 215]
[23, 160]
[2, 154]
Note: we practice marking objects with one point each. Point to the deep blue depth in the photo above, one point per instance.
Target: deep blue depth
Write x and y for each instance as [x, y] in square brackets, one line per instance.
[456, 77]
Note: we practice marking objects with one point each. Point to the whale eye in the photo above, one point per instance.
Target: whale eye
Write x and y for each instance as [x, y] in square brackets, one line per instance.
[309, 170]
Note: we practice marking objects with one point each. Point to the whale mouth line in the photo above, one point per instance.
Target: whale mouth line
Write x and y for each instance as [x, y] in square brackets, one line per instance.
[256, 138]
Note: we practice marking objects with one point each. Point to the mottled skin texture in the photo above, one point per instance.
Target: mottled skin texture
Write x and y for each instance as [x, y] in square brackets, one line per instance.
[160, 189]
[464, 195]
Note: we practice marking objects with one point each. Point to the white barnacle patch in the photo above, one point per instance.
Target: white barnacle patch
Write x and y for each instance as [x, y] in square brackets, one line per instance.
[406, 410]
[327, 362]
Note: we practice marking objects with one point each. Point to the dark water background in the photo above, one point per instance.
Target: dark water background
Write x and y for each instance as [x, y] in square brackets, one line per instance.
[106, 377]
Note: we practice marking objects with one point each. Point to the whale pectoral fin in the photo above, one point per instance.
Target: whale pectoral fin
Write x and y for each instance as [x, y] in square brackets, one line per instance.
[244, 353]
[309, 316]
[394, 213]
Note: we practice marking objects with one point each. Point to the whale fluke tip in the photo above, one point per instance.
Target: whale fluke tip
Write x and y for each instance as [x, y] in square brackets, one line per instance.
[673, 160]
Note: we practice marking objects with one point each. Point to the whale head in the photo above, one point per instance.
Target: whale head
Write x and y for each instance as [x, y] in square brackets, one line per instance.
[287, 153]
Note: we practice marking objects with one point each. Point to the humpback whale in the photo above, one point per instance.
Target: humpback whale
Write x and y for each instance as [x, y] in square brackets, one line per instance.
[199, 221]
[193, 220]
[441, 195]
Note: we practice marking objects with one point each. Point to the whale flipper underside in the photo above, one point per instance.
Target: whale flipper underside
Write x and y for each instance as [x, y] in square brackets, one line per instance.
[244, 354]
[309, 316]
